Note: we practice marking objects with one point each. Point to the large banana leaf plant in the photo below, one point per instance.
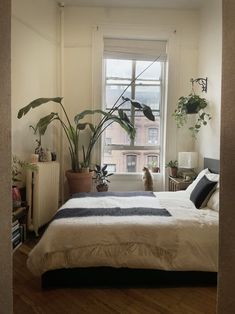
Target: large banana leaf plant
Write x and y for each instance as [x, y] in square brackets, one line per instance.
[72, 130]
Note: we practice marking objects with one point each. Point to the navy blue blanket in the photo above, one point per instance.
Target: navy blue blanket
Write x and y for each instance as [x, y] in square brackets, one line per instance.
[113, 211]
[116, 194]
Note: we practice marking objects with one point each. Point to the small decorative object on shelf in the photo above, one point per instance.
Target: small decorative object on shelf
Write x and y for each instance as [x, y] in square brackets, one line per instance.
[178, 184]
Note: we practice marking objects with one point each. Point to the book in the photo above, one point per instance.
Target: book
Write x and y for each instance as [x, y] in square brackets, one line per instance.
[16, 232]
[18, 213]
[16, 244]
[16, 236]
[13, 229]
[15, 222]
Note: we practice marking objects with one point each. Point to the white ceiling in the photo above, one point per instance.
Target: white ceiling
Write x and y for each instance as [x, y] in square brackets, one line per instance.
[167, 4]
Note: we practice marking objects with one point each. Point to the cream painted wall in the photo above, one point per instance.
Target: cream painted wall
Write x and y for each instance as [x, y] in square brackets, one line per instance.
[210, 65]
[35, 60]
[181, 27]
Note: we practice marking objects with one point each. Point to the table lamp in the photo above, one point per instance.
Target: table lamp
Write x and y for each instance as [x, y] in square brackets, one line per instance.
[187, 161]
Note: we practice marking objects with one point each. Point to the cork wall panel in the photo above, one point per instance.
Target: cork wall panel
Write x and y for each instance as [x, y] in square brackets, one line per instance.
[5, 159]
[226, 291]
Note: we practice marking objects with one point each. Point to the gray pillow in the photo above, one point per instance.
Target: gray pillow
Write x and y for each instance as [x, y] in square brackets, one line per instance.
[202, 191]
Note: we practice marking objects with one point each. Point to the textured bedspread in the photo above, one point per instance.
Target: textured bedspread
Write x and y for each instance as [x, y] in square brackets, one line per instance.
[186, 240]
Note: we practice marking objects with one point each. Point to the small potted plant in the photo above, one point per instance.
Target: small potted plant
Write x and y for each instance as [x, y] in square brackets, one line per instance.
[153, 166]
[101, 178]
[191, 104]
[173, 166]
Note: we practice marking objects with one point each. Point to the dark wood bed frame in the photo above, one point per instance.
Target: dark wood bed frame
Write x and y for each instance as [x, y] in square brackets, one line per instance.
[116, 277]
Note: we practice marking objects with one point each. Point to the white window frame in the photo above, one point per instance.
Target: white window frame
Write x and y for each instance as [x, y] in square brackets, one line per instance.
[139, 31]
[132, 146]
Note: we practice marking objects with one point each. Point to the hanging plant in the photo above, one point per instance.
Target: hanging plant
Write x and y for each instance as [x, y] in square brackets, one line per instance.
[191, 104]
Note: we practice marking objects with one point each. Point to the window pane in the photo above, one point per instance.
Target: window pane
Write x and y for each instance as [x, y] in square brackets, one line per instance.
[112, 94]
[153, 136]
[153, 72]
[118, 68]
[116, 134]
[111, 168]
[143, 126]
[131, 163]
[149, 95]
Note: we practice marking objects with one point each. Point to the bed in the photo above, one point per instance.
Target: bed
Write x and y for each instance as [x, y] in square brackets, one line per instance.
[128, 237]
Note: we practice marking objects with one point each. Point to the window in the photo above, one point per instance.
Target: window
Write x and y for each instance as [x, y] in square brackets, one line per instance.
[111, 168]
[152, 135]
[147, 89]
[131, 163]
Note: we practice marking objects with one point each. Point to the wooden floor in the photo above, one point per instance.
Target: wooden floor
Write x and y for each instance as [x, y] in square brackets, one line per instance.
[30, 299]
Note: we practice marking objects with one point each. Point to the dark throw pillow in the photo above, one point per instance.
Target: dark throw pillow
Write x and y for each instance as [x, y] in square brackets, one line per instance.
[201, 191]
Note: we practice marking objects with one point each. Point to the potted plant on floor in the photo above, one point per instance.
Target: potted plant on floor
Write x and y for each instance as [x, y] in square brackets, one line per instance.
[191, 104]
[101, 178]
[173, 167]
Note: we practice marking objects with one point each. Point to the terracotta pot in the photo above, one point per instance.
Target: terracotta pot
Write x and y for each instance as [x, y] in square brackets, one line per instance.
[155, 169]
[102, 187]
[16, 197]
[173, 172]
[79, 181]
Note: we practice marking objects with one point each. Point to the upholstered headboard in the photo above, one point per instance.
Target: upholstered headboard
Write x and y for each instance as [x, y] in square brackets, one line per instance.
[212, 164]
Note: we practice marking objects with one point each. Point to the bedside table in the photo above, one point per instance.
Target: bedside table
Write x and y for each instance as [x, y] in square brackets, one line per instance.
[178, 184]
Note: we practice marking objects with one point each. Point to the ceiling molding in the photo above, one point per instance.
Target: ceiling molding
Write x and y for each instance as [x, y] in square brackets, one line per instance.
[156, 4]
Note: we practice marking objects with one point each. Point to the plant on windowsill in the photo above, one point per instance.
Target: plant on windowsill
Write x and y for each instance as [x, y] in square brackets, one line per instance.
[74, 129]
[191, 104]
[101, 178]
[153, 166]
[173, 167]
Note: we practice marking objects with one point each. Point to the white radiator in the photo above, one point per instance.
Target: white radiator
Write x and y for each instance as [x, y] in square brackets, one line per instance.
[42, 194]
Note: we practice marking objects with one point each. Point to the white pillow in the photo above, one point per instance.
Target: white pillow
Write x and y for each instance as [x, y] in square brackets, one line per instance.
[213, 202]
[198, 178]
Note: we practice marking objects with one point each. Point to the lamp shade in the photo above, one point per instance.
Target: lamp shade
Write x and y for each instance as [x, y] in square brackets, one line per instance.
[187, 160]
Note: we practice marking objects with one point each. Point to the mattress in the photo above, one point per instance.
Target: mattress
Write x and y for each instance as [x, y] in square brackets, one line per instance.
[184, 240]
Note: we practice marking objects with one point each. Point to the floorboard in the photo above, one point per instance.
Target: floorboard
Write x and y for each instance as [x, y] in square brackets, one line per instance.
[29, 298]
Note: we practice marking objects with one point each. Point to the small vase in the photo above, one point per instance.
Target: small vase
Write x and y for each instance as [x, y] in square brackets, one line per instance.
[16, 197]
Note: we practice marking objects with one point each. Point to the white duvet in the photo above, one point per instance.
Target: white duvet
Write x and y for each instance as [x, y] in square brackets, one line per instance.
[188, 240]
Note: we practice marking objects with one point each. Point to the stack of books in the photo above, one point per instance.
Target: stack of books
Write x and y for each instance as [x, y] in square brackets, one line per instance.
[17, 234]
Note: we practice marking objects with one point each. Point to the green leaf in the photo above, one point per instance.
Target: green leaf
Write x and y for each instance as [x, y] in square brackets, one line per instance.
[45, 121]
[36, 103]
[123, 115]
[81, 115]
[104, 168]
[147, 111]
[72, 133]
[98, 167]
[134, 102]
